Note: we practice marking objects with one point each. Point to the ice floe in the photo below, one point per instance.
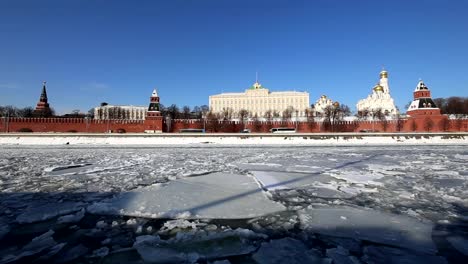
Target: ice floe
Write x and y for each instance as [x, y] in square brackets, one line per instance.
[217, 195]
[370, 225]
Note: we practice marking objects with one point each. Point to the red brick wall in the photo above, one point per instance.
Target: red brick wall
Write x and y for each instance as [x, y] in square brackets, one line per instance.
[413, 124]
[71, 125]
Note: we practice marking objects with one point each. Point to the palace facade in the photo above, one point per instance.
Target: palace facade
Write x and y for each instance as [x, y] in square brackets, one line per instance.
[124, 112]
[258, 100]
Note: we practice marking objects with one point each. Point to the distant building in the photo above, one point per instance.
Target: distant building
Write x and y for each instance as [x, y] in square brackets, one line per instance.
[321, 104]
[42, 107]
[257, 100]
[379, 98]
[127, 112]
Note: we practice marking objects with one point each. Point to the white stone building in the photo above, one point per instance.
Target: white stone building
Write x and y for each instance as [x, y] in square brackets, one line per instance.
[380, 98]
[258, 100]
[127, 112]
[321, 104]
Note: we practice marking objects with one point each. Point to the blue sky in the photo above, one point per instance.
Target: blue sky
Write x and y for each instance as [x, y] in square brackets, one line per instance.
[118, 51]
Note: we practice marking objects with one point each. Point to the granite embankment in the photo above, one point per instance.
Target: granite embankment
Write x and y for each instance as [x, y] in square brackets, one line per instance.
[306, 139]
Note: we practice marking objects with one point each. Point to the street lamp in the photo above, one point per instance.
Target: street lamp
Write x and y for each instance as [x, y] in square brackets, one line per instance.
[335, 110]
[204, 122]
[297, 119]
[7, 126]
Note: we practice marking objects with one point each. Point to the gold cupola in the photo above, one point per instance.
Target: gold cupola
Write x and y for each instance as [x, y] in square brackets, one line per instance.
[383, 74]
[378, 88]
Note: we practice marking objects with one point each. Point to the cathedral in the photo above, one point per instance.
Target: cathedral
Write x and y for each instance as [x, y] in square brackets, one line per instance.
[321, 105]
[379, 98]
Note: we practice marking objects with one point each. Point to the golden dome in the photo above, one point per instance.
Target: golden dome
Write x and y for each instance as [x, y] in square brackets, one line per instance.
[383, 74]
[336, 104]
[378, 88]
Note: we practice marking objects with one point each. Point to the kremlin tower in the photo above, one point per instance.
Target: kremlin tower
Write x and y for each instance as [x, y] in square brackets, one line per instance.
[153, 121]
[422, 103]
[42, 107]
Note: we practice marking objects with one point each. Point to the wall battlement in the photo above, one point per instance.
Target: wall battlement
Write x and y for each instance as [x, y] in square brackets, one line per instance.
[438, 123]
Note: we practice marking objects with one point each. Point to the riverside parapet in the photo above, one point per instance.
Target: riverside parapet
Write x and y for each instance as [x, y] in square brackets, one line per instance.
[299, 139]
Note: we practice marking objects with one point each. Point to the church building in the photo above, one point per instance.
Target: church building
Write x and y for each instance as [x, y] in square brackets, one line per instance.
[379, 99]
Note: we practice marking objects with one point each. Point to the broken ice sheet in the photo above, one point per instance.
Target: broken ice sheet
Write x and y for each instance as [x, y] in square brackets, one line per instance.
[286, 250]
[271, 180]
[316, 184]
[371, 225]
[35, 213]
[217, 195]
[190, 247]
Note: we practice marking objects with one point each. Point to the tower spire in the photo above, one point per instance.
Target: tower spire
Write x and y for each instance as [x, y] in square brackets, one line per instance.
[43, 97]
[42, 107]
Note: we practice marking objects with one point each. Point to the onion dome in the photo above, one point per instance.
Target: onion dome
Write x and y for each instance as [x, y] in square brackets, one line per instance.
[378, 88]
[383, 74]
[336, 104]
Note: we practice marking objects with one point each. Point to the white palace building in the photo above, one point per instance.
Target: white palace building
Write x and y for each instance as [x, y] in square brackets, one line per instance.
[379, 98]
[127, 112]
[258, 100]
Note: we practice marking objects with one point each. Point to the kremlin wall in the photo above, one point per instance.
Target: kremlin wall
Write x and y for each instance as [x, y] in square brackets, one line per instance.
[422, 116]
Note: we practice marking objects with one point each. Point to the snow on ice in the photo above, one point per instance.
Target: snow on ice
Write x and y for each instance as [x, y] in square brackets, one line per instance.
[336, 204]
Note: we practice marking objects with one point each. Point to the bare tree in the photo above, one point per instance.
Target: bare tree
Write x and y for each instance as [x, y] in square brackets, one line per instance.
[90, 113]
[226, 114]
[197, 111]
[276, 114]
[173, 111]
[257, 124]
[186, 112]
[310, 118]
[204, 109]
[25, 112]
[243, 113]
[268, 115]
[287, 113]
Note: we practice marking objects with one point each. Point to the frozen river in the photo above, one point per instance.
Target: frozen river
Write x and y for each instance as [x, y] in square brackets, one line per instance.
[401, 204]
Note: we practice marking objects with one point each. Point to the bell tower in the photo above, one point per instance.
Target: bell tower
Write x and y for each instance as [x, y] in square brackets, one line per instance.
[153, 120]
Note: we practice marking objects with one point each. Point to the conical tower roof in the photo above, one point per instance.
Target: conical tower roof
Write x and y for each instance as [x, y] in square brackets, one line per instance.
[43, 97]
